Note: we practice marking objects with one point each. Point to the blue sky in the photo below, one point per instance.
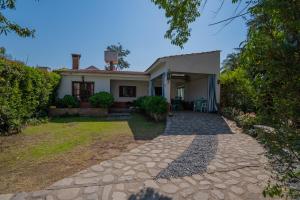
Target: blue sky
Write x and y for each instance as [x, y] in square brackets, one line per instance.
[89, 26]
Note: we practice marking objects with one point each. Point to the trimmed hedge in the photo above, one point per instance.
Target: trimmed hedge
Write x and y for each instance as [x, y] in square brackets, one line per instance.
[25, 93]
[102, 100]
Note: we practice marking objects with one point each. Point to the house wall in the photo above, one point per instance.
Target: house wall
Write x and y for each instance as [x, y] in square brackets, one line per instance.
[195, 89]
[65, 87]
[206, 63]
[141, 89]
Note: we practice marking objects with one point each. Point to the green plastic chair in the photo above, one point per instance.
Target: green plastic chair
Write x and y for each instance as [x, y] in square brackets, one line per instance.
[200, 105]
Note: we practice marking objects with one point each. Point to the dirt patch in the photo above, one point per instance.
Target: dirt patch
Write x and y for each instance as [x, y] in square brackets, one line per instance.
[35, 176]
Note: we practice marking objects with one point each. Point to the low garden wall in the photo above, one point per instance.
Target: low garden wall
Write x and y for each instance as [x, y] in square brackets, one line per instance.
[86, 112]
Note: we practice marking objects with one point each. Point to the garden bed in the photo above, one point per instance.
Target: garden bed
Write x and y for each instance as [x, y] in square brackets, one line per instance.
[85, 112]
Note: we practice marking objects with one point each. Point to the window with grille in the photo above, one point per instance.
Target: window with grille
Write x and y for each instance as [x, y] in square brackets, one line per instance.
[127, 91]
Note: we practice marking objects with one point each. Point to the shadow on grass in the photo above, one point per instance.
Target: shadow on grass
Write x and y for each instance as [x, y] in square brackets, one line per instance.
[196, 158]
[148, 194]
[140, 125]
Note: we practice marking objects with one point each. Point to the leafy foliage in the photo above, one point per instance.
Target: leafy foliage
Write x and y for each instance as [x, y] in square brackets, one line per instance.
[180, 14]
[102, 100]
[271, 57]
[237, 90]
[25, 93]
[122, 53]
[7, 26]
[140, 102]
[68, 101]
[231, 62]
[156, 104]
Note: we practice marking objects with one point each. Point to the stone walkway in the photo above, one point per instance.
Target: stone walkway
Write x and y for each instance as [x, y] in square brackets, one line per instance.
[234, 169]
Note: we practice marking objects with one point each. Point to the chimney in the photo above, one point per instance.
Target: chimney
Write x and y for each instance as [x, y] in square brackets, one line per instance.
[75, 61]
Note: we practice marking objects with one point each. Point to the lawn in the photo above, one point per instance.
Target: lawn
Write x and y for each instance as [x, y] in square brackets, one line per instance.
[43, 154]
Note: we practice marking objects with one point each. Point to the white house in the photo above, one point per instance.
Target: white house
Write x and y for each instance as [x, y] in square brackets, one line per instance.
[188, 76]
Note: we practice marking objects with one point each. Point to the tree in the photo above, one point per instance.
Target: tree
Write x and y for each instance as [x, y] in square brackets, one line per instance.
[7, 26]
[122, 54]
[231, 62]
[272, 59]
[181, 13]
[3, 53]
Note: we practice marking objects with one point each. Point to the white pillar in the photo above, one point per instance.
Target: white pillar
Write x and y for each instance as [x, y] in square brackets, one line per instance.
[167, 84]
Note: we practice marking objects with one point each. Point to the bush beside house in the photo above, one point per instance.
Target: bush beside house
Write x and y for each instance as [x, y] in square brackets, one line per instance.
[26, 93]
[154, 106]
[68, 101]
[102, 100]
[70, 106]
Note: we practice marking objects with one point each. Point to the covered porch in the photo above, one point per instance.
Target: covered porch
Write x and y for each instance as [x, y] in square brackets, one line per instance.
[186, 91]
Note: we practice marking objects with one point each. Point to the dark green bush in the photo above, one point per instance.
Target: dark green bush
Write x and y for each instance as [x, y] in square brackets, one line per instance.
[102, 100]
[140, 103]
[155, 105]
[25, 93]
[68, 101]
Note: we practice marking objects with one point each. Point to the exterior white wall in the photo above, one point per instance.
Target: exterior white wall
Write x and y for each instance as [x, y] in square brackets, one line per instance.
[206, 63]
[141, 89]
[193, 89]
[65, 87]
[196, 89]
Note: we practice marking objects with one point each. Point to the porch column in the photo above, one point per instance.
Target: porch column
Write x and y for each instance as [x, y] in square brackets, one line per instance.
[151, 91]
[163, 84]
[167, 87]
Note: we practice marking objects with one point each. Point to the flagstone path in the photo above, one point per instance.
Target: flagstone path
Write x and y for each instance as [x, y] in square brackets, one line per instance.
[219, 164]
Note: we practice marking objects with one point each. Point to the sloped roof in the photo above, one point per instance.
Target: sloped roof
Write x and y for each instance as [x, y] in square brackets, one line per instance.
[179, 55]
[98, 71]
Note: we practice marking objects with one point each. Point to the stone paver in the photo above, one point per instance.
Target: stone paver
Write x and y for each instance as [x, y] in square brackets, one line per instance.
[235, 169]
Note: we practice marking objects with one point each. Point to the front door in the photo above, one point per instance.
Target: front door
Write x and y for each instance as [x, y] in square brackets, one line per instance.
[83, 90]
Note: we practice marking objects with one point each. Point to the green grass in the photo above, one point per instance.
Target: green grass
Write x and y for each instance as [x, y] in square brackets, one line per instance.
[60, 138]
[64, 134]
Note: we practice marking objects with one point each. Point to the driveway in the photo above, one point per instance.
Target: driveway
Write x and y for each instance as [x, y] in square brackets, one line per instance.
[200, 156]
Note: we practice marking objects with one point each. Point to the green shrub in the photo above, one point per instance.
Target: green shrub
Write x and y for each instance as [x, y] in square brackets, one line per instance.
[68, 101]
[246, 121]
[102, 100]
[140, 102]
[230, 112]
[25, 93]
[237, 90]
[155, 105]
